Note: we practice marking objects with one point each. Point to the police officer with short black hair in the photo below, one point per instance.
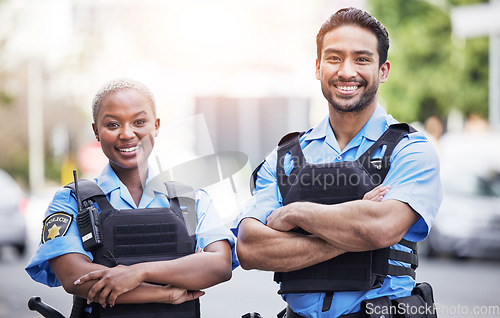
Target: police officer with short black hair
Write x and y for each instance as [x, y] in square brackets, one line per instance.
[333, 253]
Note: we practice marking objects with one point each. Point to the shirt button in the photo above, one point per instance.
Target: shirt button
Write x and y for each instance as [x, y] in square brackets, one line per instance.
[339, 157]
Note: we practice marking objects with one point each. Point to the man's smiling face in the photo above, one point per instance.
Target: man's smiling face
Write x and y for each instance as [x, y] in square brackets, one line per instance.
[349, 68]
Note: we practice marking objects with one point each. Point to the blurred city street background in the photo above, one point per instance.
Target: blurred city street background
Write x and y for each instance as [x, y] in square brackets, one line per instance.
[230, 78]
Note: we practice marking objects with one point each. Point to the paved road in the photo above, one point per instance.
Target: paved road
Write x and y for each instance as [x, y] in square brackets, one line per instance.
[461, 287]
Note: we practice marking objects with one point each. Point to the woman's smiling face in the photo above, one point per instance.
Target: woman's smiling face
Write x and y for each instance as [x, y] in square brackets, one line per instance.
[126, 126]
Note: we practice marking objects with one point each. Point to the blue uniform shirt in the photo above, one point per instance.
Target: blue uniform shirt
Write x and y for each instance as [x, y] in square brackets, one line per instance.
[413, 178]
[210, 228]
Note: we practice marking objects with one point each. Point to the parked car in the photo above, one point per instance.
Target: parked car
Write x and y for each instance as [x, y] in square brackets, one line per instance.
[12, 208]
[468, 221]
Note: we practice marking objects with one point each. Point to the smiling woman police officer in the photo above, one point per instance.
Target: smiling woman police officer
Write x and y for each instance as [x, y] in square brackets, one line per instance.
[126, 125]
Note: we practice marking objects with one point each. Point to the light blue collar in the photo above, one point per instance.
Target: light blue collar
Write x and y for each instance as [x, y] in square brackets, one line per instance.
[108, 181]
[372, 130]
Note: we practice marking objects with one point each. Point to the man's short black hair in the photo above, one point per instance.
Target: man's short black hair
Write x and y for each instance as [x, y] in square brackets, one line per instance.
[357, 17]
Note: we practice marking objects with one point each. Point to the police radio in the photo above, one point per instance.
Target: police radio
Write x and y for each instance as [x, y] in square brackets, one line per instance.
[87, 221]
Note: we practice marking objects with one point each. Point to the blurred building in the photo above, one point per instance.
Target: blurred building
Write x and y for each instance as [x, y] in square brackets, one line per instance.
[259, 53]
[252, 125]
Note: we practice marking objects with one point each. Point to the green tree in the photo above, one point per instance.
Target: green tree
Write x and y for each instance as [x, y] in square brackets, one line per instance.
[432, 71]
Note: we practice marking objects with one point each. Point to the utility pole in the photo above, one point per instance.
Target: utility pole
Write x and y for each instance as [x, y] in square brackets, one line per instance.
[35, 126]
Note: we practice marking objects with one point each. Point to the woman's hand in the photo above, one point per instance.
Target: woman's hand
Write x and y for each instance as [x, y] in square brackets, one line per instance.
[377, 194]
[176, 295]
[111, 283]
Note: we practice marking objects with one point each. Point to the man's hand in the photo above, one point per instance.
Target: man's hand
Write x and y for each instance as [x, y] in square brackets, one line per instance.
[277, 219]
[377, 194]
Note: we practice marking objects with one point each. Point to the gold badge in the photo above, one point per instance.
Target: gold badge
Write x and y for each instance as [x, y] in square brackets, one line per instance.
[56, 225]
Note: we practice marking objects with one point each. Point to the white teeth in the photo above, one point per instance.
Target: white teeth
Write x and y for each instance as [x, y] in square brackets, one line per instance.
[129, 149]
[347, 88]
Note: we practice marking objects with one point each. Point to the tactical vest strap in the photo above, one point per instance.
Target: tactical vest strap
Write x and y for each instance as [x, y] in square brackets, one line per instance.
[409, 244]
[182, 198]
[289, 144]
[405, 257]
[390, 138]
[382, 267]
[253, 177]
[89, 190]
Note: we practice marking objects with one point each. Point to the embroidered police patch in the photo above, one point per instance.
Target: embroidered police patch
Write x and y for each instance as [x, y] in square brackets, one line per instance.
[56, 225]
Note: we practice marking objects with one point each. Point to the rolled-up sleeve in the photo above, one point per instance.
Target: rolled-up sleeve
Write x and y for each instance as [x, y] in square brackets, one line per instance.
[210, 227]
[38, 267]
[266, 196]
[414, 178]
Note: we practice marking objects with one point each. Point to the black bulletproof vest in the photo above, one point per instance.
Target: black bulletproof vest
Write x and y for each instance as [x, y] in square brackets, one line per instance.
[132, 236]
[332, 183]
